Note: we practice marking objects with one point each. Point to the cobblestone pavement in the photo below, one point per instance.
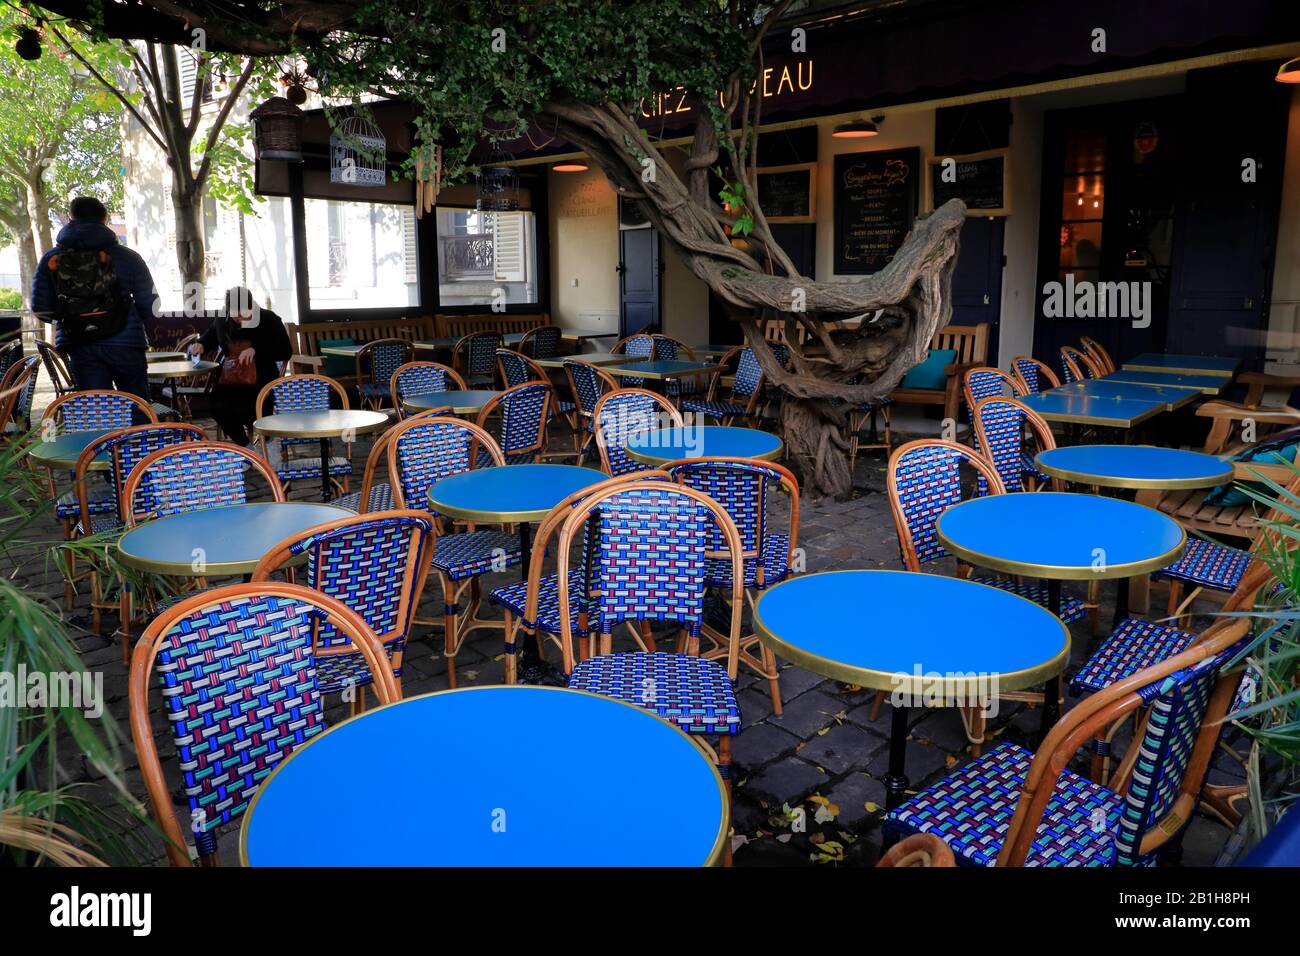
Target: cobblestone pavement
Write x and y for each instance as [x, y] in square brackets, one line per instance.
[824, 754]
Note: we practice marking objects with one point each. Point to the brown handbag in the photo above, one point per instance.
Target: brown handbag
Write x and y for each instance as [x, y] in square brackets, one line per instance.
[234, 372]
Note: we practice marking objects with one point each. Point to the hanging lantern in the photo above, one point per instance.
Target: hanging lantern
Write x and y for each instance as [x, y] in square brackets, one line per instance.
[358, 153]
[428, 178]
[498, 185]
[277, 130]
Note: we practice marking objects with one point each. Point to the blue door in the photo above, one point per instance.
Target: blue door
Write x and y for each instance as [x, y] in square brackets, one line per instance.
[977, 279]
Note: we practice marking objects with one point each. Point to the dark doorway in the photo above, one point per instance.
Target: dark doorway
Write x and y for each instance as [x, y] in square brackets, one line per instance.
[638, 268]
[977, 279]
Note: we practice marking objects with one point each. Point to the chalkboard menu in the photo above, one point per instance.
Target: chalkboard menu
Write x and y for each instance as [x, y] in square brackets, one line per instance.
[787, 193]
[979, 179]
[875, 203]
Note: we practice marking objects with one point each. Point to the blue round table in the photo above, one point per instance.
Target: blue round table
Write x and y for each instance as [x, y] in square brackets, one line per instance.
[1062, 537]
[1135, 466]
[322, 424]
[460, 401]
[922, 637]
[669, 444]
[505, 494]
[492, 776]
[230, 539]
[63, 451]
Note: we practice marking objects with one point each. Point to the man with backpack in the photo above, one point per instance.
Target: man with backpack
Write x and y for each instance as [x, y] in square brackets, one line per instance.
[97, 293]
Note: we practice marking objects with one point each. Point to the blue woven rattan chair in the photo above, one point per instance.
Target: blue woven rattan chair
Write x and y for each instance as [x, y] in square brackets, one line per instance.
[423, 378]
[745, 487]
[516, 368]
[521, 414]
[587, 383]
[648, 548]
[87, 411]
[237, 669]
[376, 564]
[1012, 807]
[623, 413]
[879, 415]
[984, 382]
[1034, 376]
[642, 347]
[475, 358]
[192, 477]
[1011, 434]
[541, 342]
[305, 393]
[1077, 366]
[421, 452]
[124, 449]
[17, 393]
[746, 389]
[533, 605]
[669, 349]
[377, 362]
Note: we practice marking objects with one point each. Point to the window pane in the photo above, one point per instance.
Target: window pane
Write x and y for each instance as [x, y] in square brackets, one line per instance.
[481, 253]
[360, 255]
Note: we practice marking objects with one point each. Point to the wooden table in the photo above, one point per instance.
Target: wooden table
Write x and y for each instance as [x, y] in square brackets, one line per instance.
[500, 769]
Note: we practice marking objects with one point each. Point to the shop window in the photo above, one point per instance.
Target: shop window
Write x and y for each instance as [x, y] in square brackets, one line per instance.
[360, 255]
[482, 252]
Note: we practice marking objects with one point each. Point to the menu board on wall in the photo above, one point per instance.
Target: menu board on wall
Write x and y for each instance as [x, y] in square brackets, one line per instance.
[875, 202]
[787, 193]
[979, 179]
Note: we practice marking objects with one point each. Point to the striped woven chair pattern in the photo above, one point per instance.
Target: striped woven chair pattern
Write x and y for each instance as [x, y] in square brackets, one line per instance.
[193, 477]
[642, 346]
[521, 412]
[421, 452]
[649, 542]
[746, 388]
[1003, 429]
[423, 378]
[1083, 823]
[17, 393]
[238, 679]
[623, 413]
[377, 362]
[924, 480]
[475, 358]
[87, 411]
[542, 342]
[303, 393]
[1034, 376]
[376, 565]
[1076, 366]
[1208, 564]
[587, 384]
[981, 383]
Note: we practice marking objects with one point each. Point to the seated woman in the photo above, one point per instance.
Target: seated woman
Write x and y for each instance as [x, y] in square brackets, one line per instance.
[253, 341]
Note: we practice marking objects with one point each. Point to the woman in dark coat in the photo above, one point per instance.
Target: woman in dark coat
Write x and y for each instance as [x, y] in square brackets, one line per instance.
[252, 336]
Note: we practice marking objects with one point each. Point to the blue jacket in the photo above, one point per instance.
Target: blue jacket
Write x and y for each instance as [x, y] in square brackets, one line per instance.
[132, 275]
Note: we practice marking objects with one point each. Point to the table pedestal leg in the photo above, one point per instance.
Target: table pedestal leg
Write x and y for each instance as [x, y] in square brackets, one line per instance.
[1052, 689]
[324, 469]
[896, 779]
[1121, 601]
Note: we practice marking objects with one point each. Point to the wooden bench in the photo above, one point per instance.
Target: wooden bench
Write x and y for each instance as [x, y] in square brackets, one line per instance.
[971, 343]
[456, 326]
[306, 336]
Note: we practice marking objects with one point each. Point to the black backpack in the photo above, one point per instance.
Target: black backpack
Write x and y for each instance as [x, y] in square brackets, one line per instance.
[88, 302]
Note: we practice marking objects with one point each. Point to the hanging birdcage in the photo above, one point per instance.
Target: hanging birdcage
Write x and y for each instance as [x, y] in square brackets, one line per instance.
[358, 153]
[497, 185]
[277, 130]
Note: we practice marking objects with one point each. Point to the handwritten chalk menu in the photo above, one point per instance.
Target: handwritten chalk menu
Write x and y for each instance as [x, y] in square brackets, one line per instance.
[787, 193]
[875, 203]
[979, 179]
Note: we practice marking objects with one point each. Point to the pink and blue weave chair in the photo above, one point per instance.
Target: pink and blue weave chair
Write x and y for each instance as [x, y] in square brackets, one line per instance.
[475, 358]
[194, 476]
[623, 413]
[1014, 807]
[1078, 366]
[244, 657]
[587, 383]
[421, 452]
[519, 416]
[648, 544]
[305, 393]
[541, 342]
[376, 564]
[745, 488]
[984, 382]
[516, 368]
[377, 361]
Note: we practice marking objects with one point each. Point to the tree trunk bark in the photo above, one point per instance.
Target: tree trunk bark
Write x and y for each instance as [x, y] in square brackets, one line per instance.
[19, 224]
[187, 210]
[38, 209]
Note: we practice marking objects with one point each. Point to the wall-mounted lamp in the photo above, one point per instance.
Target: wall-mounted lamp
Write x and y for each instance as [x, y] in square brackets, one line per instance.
[858, 129]
[1289, 72]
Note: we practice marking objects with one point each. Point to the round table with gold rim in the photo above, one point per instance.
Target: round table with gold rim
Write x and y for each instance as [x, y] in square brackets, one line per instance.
[1136, 467]
[659, 446]
[322, 425]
